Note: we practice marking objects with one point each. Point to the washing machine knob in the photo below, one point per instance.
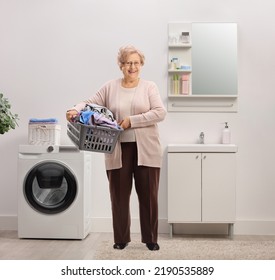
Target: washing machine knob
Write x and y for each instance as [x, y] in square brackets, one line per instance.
[50, 149]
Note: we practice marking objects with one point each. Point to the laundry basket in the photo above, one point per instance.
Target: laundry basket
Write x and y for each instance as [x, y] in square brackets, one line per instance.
[44, 134]
[92, 137]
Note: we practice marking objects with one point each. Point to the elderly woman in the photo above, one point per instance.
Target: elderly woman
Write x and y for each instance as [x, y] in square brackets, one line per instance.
[137, 106]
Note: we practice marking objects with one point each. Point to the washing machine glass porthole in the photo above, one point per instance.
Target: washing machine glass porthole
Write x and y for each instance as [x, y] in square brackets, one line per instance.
[50, 187]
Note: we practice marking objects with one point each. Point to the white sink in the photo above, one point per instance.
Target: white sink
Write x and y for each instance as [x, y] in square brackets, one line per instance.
[202, 148]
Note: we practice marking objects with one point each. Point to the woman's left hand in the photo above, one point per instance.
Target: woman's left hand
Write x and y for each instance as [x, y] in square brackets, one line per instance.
[126, 123]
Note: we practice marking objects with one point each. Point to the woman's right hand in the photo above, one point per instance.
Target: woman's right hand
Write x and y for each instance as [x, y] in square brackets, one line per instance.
[71, 114]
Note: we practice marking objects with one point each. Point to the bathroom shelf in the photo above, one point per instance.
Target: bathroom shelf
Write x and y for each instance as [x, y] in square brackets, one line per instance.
[201, 96]
[182, 52]
[180, 46]
[202, 103]
[179, 71]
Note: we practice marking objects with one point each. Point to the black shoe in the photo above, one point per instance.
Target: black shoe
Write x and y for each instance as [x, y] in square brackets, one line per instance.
[120, 246]
[152, 246]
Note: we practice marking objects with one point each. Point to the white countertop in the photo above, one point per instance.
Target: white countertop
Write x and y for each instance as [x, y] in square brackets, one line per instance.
[202, 148]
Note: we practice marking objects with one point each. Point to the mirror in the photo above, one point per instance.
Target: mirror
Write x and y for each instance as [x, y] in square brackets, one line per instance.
[214, 59]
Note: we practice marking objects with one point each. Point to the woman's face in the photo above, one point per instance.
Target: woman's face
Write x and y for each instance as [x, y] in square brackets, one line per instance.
[131, 68]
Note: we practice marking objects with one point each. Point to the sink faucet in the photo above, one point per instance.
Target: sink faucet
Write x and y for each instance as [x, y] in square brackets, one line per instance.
[201, 139]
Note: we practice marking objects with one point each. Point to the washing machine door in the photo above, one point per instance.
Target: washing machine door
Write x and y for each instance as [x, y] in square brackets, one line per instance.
[50, 187]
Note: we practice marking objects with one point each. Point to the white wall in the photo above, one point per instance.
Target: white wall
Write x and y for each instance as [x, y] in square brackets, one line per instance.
[55, 53]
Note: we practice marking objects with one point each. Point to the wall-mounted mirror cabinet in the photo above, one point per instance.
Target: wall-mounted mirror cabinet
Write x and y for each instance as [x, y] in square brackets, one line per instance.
[202, 71]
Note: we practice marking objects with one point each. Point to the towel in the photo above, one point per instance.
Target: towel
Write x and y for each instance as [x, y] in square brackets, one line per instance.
[48, 120]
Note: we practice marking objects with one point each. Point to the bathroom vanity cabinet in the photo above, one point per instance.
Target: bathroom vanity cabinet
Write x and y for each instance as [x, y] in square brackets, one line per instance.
[201, 187]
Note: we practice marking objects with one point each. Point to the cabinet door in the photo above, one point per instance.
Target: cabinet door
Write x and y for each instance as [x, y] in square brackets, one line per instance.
[184, 187]
[218, 187]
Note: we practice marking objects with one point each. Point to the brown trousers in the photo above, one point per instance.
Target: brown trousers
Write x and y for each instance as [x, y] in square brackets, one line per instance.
[146, 184]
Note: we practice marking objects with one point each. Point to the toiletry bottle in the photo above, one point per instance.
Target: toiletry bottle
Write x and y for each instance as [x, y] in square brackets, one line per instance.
[171, 65]
[226, 135]
[185, 84]
[178, 64]
[175, 63]
[176, 84]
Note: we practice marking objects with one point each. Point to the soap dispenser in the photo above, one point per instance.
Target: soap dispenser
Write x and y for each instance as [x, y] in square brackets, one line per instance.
[226, 135]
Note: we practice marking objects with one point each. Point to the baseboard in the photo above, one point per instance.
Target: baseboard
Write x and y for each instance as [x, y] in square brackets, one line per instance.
[241, 227]
[8, 222]
[254, 227]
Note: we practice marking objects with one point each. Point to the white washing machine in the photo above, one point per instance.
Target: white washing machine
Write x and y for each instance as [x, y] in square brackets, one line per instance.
[54, 192]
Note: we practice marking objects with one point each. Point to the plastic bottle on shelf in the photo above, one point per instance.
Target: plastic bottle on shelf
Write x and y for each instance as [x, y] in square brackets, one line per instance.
[176, 63]
[172, 85]
[185, 84]
[175, 84]
[171, 65]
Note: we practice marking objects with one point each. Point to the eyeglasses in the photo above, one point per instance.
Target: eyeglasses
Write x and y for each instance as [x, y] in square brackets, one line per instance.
[130, 63]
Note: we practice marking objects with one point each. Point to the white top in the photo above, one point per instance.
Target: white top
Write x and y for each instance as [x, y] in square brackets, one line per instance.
[126, 96]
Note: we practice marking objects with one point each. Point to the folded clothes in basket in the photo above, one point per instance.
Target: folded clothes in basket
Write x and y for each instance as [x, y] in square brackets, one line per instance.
[48, 120]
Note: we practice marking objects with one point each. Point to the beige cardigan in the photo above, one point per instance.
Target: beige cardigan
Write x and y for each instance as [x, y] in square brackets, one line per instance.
[147, 110]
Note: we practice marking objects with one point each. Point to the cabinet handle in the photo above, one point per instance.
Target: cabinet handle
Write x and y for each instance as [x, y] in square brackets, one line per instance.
[197, 157]
[204, 157]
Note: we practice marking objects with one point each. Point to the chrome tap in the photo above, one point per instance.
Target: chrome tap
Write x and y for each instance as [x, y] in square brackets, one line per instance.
[201, 139]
